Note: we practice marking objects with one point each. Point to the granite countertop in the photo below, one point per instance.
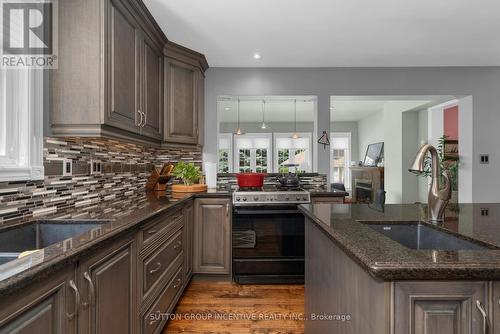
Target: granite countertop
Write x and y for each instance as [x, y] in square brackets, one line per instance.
[327, 193]
[386, 259]
[120, 216]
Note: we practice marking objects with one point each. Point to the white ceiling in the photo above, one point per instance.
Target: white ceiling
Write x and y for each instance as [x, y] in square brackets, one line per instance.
[324, 33]
[277, 110]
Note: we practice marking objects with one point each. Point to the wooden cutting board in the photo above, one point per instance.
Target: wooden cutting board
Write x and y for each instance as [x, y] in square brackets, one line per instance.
[195, 188]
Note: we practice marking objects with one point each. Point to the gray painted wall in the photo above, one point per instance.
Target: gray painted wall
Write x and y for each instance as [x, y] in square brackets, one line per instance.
[423, 135]
[351, 127]
[410, 132]
[482, 83]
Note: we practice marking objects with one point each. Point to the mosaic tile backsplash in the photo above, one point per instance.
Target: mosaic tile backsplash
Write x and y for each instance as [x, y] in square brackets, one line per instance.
[124, 171]
[308, 181]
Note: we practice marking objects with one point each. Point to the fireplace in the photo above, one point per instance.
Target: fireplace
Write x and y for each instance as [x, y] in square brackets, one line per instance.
[366, 182]
[363, 190]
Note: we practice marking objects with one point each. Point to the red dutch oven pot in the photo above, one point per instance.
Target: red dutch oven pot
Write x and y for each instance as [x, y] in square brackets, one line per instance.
[250, 180]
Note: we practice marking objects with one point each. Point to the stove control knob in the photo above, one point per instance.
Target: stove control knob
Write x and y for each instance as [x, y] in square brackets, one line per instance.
[244, 199]
[298, 198]
[238, 199]
[255, 198]
[287, 198]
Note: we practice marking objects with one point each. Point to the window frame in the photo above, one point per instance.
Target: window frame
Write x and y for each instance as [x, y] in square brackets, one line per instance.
[229, 138]
[253, 160]
[25, 163]
[287, 135]
[348, 174]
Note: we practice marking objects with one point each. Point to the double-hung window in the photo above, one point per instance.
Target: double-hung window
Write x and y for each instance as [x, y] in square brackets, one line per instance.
[290, 151]
[252, 152]
[21, 124]
[225, 153]
[340, 158]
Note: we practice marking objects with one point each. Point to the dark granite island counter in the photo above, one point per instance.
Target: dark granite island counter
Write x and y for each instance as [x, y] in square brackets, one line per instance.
[388, 271]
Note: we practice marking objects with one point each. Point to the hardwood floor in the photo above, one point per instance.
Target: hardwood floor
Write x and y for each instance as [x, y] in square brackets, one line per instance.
[239, 309]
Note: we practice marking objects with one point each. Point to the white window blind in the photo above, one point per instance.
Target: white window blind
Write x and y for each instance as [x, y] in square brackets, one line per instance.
[292, 151]
[340, 157]
[21, 124]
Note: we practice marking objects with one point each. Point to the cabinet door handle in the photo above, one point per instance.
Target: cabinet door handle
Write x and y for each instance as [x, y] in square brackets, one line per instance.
[227, 209]
[178, 283]
[151, 232]
[73, 315]
[145, 119]
[177, 245]
[484, 314]
[140, 120]
[153, 271]
[91, 290]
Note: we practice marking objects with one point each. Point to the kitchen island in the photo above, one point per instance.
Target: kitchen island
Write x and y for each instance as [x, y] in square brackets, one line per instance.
[385, 270]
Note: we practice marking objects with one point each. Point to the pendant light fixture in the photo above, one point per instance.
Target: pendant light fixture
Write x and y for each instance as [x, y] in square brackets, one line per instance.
[238, 130]
[263, 126]
[295, 134]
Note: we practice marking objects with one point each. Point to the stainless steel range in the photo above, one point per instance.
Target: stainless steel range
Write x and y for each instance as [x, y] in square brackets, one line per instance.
[271, 197]
[268, 235]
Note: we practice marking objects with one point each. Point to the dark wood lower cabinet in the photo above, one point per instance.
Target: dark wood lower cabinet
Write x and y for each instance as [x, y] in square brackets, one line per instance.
[107, 287]
[440, 307]
[117, 288]
[188, 240]
[335, 285]
[212, 236]
[46, 307]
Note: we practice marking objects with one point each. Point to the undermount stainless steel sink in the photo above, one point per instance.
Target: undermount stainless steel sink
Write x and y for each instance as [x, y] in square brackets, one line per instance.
[419, 236]
[41, 234]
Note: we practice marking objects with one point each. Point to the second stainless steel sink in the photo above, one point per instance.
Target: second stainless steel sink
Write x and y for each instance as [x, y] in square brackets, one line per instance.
[419, 236]
[41, 234]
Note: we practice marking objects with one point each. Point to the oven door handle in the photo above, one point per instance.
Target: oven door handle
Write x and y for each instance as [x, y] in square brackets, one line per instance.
[264, 212]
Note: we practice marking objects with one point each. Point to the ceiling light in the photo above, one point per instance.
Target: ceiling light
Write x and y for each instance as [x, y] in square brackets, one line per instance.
[295, 134]
[263, 126]
[227, 108]
[257, 55]
[238, 131]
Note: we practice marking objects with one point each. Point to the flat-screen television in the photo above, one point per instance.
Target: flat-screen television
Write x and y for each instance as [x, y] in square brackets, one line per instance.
[374, 154]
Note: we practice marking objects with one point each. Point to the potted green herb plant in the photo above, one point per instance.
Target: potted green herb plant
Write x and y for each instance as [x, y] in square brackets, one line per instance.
[189, 174]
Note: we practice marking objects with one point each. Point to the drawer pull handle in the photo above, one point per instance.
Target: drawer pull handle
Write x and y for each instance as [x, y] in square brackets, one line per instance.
[72, 285]
[178, 283]
[178, 245]
[485, 316]
[151, 232]
[153, 271]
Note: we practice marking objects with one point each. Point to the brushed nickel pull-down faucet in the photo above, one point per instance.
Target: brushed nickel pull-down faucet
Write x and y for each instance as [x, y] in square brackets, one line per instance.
[438, 197]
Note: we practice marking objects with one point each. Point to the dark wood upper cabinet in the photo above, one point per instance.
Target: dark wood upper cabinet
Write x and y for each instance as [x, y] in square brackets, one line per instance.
[152, 90]
[181, 123]
[124, 70]
[110, 76]
[184, 96]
